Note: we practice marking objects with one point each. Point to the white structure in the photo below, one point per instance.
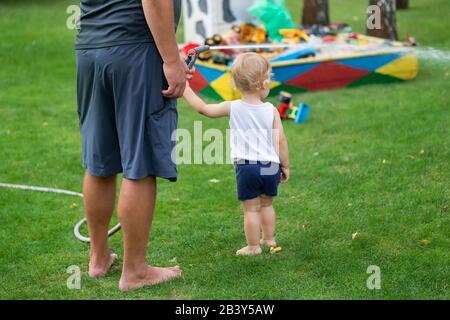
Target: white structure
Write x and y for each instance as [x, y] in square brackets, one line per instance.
[204, 18]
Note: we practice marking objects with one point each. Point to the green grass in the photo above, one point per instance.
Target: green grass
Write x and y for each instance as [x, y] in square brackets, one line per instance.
[339, 184]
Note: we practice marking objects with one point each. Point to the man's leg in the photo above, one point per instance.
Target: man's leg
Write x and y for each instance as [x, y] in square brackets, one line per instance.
[252, 227]
[136, 205]
[99, 197]
[268, 223]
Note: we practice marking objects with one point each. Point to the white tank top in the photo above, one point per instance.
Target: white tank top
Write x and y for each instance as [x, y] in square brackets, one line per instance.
[251, 132]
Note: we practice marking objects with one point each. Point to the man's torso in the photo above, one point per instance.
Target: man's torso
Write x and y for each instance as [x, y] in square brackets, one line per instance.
[106, 23]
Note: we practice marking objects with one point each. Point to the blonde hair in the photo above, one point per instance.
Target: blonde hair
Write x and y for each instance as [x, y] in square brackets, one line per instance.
[251, 72]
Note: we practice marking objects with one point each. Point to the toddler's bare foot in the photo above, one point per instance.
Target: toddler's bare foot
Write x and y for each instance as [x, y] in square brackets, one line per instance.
[270, 243]
[153, 276]
[101, 267]
[249, 251]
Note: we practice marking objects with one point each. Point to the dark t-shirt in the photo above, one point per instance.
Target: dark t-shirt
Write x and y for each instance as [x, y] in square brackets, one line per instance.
[106, 23]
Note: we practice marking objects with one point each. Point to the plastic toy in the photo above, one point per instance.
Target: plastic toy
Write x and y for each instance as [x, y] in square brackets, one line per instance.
[285, 99]
[294, 36]
[232, 37]
[215, 40]
[302, 113]
[249, 33]
[298, 114]
[411, 42]
[221, 58]
[357, 39]
[288, 111]
[294, 54]
[333, 30]
[274, 15]
[274, 250]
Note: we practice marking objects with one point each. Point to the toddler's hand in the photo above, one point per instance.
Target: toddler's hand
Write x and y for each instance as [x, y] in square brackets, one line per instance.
[284, 175]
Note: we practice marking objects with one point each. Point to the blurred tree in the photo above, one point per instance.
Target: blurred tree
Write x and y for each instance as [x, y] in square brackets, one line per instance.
[315, 12]
[384, 18]
[402, 4]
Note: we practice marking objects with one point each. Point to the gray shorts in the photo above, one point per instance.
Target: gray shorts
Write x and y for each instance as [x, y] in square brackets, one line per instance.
[126, 124]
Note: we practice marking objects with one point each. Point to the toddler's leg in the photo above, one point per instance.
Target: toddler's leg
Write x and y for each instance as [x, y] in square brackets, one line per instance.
[268, 223]
[252, 227]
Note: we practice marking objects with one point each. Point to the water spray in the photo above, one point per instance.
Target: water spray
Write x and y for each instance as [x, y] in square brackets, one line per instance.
[195, 52]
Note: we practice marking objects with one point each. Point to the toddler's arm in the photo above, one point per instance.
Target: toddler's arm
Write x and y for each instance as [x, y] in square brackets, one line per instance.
[210, 110]
[281, 146]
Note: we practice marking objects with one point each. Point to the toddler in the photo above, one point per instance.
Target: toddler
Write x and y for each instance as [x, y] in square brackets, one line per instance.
[259, 147]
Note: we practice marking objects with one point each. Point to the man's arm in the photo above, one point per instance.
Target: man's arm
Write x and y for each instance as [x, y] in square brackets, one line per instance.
[209, 110]
[160, 19]
[281, 146]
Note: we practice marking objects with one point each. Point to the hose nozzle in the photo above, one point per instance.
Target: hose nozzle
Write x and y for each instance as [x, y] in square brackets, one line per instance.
[193, 55]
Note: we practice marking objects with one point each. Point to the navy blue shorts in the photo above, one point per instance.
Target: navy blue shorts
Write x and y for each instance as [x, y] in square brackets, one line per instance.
[257, 178]
[126, 124]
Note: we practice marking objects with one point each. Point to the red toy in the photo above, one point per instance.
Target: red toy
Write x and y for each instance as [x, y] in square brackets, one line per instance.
[285, 99]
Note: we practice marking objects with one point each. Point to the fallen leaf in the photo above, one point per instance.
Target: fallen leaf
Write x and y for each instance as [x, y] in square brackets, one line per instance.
[386, 161]
[425, 242]
[422, 152]
[445, 207]
[73, 206]
[355, 235]
[214, 181]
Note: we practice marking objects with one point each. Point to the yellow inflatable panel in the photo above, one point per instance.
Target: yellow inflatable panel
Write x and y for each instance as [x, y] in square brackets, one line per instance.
[405, 68]
[224, 87]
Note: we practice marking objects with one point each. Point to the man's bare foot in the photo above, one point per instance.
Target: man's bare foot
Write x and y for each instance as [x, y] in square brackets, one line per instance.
[249, 251]
[270, 243]
[153, 276]
[101, 268]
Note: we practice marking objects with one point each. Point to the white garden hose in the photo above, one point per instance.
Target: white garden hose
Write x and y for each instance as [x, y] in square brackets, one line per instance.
[76, 229]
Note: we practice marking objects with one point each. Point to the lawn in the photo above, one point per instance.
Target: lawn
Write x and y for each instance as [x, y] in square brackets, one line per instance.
[373, 160]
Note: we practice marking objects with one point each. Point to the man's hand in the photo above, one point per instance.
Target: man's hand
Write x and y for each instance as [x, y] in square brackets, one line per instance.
[176, 74]
[163, 31]
[190, 72]
[284, 174]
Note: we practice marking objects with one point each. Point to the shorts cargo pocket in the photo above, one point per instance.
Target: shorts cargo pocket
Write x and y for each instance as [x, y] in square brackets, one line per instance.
[159, 129]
